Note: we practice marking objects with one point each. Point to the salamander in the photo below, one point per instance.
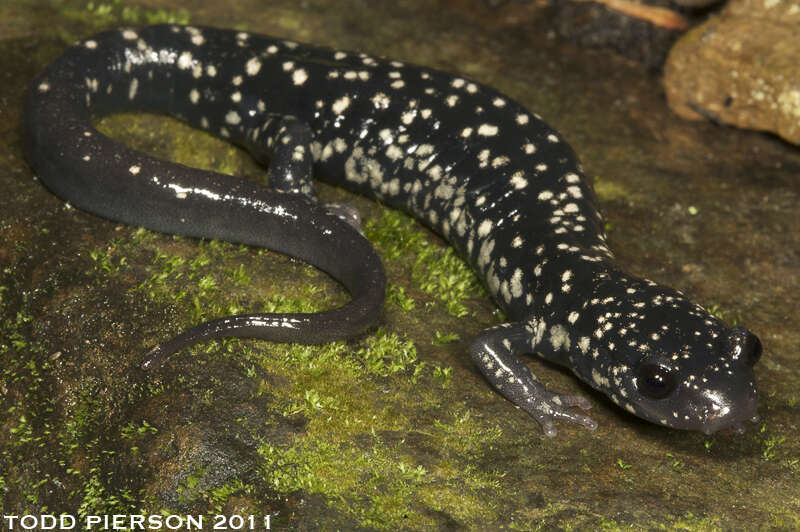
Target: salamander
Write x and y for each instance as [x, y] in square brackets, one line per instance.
[492, 178]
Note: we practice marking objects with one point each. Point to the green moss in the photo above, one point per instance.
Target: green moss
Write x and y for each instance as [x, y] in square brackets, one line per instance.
[440, 338]
[341, 471]
[105, 261]
[132, 431]
[193, 279]
[343, 393]
[386, 354]
[378, 484]
[396, 295]
[109, 13]
[219, 496]
[338, 387]
[97, 500]
[184, 275]
[443, 375]
[689, 521]
[611, 191]
[187, 145]
[190, 489]
[771, 443]
[436, 270]
[725, 315]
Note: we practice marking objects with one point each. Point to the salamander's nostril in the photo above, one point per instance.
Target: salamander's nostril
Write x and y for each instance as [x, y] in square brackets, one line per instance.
[746, 347]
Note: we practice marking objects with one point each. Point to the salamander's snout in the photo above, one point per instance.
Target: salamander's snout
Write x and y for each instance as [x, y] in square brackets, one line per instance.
[724, 410]
[732, 397]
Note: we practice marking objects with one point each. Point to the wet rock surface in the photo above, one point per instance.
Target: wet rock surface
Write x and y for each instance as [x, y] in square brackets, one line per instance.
[741, 68]
[394, 430]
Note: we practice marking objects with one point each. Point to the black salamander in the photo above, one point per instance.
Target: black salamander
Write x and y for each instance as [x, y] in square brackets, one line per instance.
[492, 178]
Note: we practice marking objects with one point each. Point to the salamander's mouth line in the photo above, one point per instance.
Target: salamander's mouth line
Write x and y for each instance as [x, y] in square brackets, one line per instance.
[492, 178]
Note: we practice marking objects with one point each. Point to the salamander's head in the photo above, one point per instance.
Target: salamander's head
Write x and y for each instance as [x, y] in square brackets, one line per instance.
[716, 392]
[670, 361]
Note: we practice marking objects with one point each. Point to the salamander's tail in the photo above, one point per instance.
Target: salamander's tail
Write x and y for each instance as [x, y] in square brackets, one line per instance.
[336, 324]
[325, 241]
[99, 175]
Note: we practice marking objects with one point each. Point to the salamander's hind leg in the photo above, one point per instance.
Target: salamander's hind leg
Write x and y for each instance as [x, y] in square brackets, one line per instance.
[290, 165]
[494, 352]
[286, 151]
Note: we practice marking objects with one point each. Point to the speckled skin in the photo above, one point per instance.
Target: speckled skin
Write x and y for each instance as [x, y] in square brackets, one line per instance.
[498, 183]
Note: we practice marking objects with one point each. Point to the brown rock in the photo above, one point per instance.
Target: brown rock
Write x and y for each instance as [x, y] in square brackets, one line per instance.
[741, 67]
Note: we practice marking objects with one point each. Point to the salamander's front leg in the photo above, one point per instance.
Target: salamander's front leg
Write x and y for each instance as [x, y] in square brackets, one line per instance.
[494, 352]
[287, 152]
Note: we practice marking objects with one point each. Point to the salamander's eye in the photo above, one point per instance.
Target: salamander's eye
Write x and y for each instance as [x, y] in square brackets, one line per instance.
[656, 381]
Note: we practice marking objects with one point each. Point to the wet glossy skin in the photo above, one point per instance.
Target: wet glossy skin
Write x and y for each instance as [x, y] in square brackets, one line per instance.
[498, 183]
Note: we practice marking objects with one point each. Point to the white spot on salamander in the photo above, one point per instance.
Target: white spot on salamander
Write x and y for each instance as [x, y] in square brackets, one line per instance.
[583, 344]
[299, 76]
[381, 101]
[559, 338]
[132, 88]
[516, 283]
[341, 104]
[185, 61]
[518, 180]
[575, 192]
[393, 152]
[484, 228]
[488, 130]
[233, 118]
[599, 380]
[252, 66]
